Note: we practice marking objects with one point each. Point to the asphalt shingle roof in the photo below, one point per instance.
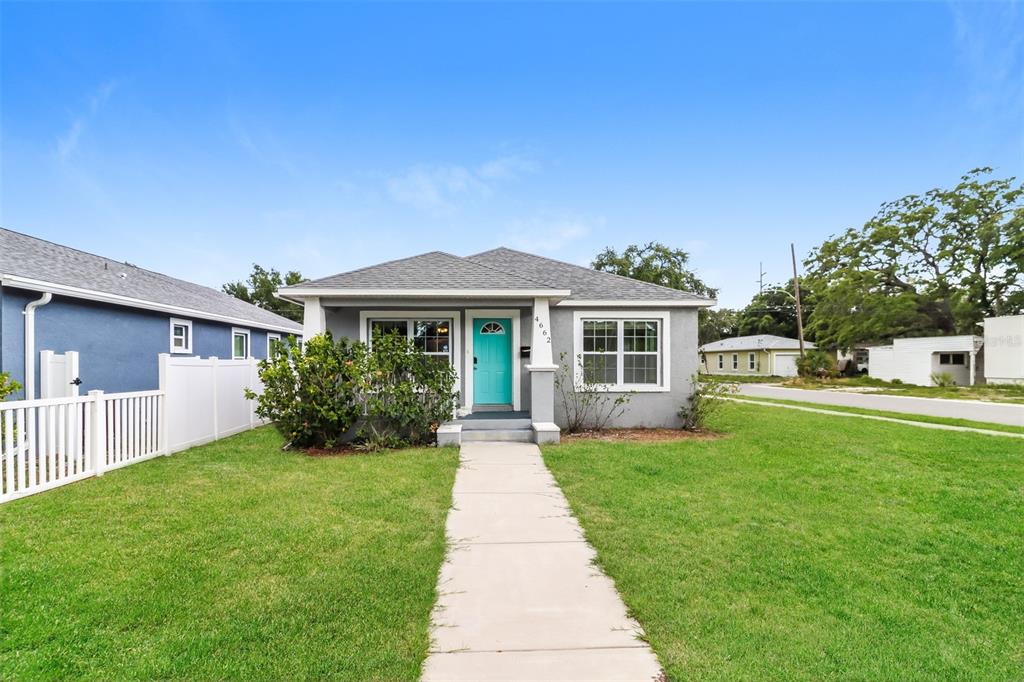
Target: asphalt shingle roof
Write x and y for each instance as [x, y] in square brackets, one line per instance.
[757, 342]
[32, 258]
[585, 283]
[433, 270]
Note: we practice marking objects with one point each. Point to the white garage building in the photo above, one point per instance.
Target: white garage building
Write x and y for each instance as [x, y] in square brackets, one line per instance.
[1004, 350]
[914, 361]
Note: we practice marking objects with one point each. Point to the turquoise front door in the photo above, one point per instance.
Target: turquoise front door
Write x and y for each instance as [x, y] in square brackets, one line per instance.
[492, 361]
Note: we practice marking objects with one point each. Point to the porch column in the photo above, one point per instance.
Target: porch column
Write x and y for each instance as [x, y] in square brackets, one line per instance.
[974, 355]
[542, 375]
[313, 319]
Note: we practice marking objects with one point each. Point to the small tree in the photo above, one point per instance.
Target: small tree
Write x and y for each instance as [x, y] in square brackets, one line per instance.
[406, 393]
[587, 405]
[707, 398]
[310, 393]
[816, 364]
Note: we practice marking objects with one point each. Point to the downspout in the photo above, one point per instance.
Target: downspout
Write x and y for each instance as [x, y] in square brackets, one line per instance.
[30, 343]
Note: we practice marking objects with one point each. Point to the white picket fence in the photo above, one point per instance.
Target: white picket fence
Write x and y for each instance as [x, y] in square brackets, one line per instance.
[54, 441]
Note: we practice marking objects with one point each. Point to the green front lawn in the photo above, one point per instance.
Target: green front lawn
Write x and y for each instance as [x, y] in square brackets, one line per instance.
[800, 546]
[229, 561]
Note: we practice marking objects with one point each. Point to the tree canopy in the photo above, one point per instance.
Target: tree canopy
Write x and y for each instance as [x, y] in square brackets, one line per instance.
[657, 263]
[773, 311]
[260, 287]
[930, 264]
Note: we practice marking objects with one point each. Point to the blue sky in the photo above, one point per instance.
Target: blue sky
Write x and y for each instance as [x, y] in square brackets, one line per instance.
[196, 139]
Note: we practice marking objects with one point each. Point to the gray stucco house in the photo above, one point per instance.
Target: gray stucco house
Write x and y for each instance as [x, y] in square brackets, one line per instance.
[116, 316]
[505, 319]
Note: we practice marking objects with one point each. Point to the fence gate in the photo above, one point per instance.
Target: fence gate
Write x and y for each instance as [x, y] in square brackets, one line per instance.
[58, 374]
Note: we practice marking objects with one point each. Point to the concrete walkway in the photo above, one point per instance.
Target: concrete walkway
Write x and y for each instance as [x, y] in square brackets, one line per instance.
[975, 410]
[518, 596]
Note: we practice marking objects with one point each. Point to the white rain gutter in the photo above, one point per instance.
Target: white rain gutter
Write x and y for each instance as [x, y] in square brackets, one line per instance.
[30, 343]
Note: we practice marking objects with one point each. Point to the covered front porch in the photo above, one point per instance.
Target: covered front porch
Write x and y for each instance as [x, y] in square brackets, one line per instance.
[500, 348]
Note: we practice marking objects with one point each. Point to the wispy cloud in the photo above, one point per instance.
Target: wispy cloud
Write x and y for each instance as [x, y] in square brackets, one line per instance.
[262, 145]
[989, 39]
[440, 188]
[67, 143]
[548, 234]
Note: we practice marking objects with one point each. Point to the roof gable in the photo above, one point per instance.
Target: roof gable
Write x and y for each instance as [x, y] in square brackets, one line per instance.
[48, 263]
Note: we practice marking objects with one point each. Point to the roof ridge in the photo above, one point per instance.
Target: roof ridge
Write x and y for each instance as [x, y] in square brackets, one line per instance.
[587, 269]
[461, 259]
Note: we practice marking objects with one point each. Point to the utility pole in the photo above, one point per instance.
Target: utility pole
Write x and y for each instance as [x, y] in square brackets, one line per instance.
[760, 278]
[796, 292]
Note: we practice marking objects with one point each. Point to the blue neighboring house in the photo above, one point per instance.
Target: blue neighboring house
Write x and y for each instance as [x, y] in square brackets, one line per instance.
[118, 317]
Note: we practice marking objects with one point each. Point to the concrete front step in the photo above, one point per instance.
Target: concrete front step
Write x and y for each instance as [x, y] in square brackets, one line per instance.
[500, 435]
[493, 424]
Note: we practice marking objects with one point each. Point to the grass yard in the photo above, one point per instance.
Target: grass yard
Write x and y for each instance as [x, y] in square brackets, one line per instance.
[229, 561]
[799, 546]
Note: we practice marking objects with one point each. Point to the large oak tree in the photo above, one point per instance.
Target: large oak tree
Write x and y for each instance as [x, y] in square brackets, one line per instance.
[937, 263]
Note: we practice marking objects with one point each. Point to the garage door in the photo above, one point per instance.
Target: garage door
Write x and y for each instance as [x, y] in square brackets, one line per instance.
[785, 365]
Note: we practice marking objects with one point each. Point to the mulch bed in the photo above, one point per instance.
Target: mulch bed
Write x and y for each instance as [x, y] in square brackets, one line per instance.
[342, 451]
[639, 435]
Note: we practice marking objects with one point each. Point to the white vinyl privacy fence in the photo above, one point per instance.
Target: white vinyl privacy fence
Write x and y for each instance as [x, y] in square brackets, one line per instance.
[50, 442]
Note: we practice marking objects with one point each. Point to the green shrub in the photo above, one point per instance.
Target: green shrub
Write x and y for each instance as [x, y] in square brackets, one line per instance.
[707, 398]
[311, 393]
[943, 379]
[406, 393]
[8, 385]
[327, 391]
[816, 364]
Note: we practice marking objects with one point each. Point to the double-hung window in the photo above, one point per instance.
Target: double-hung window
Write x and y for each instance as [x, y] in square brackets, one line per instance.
[181, 336]
[273, 341]
[721, 361]
[622, 350]
[239, 344]
[735, 360]
[751, 361]
[432, 336]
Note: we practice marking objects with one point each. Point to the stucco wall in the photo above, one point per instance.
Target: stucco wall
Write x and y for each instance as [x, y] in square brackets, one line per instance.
[762, 365]
[644, 409]
[117, 346]
[344, 322]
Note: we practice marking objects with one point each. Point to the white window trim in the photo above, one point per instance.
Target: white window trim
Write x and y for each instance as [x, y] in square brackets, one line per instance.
[752, 362]
[248, 342]
[501, 313]
[271, 336]
[735, 362]
[664, 345]
[176, 322]
[721, 361]
[366, 315]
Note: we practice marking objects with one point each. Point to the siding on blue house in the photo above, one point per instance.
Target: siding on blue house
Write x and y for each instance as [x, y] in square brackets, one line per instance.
[118, 346]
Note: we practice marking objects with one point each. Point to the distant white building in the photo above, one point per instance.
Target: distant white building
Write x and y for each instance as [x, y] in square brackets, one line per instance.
[1004, 350]
[914, 361]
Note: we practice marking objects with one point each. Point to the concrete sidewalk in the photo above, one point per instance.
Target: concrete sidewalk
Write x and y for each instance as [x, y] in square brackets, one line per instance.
[975, 410]
[518, 596]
